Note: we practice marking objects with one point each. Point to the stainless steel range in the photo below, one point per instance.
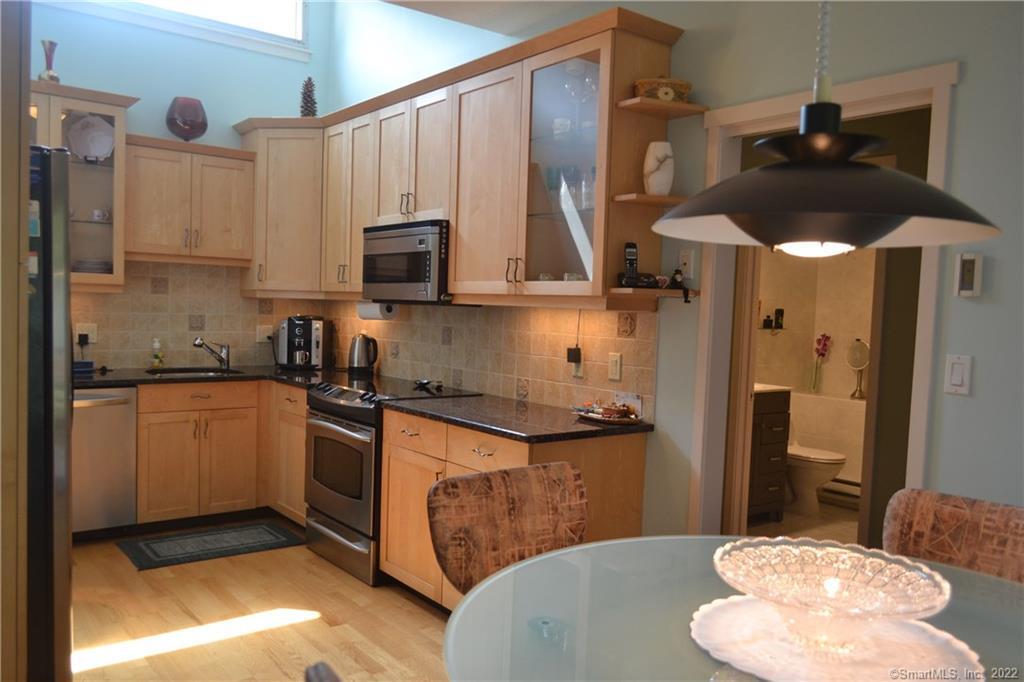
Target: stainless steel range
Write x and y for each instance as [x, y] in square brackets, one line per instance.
[343, 465]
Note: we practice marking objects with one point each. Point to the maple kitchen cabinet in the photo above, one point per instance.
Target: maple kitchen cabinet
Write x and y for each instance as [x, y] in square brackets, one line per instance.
[282, 449]
[413, 156]
[288, 203]
[188, 206]
[96, 187]
[418, 451]
[350, 168]
[197, 449]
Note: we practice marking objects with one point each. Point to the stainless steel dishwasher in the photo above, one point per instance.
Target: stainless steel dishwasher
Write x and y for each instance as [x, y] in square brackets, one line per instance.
[103, 458]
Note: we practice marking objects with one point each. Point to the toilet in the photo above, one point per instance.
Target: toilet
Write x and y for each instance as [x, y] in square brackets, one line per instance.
[808, 469]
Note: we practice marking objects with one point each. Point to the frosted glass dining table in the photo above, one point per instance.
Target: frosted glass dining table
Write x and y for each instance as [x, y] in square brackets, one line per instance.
[621, 610]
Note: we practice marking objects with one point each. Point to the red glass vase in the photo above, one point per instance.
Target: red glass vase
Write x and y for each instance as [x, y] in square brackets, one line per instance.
[186, 118]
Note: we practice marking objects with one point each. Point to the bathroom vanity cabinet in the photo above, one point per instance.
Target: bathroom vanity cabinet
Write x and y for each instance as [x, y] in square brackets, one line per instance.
[768, 447]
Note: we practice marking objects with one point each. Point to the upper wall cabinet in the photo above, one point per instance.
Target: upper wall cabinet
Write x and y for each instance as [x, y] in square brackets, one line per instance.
[350, 170]
[289, 173]
[92, 126]
[186, 206]
[486, 118]
[414, 150]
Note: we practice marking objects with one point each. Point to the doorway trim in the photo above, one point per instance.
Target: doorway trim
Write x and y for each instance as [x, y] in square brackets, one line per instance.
[931, 86]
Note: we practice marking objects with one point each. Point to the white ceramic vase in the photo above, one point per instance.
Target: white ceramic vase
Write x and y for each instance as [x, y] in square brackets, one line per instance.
[659, 168]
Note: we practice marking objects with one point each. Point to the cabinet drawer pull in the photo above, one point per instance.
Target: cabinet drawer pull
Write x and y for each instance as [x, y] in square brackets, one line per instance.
[776, 429]
[409, 433]
[200, 396]
[291, 400]
[483, 453]
[195, 428]
[774, 488]
[776, 458]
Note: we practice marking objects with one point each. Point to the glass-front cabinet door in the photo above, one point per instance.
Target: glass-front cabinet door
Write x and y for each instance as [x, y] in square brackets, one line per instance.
[561, 238]
[94, 133]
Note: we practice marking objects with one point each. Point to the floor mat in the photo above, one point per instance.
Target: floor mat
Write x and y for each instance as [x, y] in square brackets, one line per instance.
[185, 547]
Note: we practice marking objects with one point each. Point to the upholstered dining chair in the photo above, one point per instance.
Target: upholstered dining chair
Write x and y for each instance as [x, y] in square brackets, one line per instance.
[480, 523]
[982, 536]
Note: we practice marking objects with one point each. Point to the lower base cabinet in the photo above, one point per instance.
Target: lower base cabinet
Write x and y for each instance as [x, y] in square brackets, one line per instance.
[291, 466]
[418, 452]
[227, 456]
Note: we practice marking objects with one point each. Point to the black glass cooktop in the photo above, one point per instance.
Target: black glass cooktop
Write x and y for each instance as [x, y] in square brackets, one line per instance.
[357, 397]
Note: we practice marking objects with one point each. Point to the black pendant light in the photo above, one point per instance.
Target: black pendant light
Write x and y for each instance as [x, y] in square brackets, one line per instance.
[819, 201]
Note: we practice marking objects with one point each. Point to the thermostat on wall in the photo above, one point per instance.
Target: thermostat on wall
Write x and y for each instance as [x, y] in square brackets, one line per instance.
[968, 274]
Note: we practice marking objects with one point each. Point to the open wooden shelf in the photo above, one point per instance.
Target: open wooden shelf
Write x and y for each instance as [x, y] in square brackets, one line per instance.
[660, 108]
[651, 293]
[648, 199]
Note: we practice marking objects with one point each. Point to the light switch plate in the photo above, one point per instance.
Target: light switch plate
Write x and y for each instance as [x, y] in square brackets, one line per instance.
[87, 328]
[615, 367]
[686, 257]
[958, 374]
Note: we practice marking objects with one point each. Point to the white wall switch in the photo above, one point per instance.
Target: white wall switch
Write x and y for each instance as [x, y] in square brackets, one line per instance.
[263, 331]
[615, 367]
[87, 328]
[958, 374]
[686, 257]
[632, 399]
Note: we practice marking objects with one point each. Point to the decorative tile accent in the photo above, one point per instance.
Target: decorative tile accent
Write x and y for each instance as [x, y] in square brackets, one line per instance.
[197, 323]
[522, 389]
[446, 336]
[627, 325]
[266, 306]
[158, 285]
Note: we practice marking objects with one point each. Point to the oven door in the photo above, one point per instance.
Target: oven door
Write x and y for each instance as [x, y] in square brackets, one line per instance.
[401, 267]
[340, 471]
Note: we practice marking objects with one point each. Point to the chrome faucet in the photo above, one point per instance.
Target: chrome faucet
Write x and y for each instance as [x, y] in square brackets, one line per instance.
[223, 353]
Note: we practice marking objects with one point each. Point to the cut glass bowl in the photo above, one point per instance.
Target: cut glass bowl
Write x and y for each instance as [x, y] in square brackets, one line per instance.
[826, 590]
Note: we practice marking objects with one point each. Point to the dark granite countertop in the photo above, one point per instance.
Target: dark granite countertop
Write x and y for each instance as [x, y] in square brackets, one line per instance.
[515, 419]
[121, 378]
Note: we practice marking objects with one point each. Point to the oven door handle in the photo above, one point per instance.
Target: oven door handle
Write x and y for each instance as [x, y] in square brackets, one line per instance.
[337, 538]
[340, 429]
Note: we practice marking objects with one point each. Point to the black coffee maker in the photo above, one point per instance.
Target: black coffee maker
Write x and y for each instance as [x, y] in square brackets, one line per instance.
[304, 342]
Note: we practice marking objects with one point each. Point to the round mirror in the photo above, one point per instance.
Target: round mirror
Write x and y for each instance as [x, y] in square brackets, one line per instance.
[857, 357]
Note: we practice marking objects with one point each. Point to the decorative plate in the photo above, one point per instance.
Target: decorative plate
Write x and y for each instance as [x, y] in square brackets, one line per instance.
[829, 579]
[91, 138]
[584, 413]
[750, 635]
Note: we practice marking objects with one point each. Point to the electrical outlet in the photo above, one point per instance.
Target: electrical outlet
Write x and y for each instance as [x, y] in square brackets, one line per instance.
[88, 328]
[615, 367]
[686, 257]
[263, 331]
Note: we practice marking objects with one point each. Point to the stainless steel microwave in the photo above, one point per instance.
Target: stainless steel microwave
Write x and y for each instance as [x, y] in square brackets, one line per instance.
[406, 262]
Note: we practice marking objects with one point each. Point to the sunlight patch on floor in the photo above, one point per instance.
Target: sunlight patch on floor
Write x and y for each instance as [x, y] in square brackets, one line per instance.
[176, 640]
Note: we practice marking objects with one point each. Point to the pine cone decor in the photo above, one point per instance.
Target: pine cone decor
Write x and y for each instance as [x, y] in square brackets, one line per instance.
[308, 104]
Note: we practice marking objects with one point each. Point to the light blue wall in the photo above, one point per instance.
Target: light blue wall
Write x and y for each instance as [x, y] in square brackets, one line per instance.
[156, 66]
[378, 47]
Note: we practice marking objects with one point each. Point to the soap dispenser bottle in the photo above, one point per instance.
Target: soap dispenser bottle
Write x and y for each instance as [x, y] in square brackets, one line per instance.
[158, 354]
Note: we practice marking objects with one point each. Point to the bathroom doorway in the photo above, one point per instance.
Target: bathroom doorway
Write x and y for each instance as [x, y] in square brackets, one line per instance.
[821, 371]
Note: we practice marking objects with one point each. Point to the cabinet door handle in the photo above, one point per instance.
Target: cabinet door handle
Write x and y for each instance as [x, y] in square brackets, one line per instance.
[480, 452]
[515, 273]
[409, 433]
[184, 239]
[410, 204]
[401, 203]
[291, 400]
[199, 396]
[344, 274]
[259, 273]
[776, 429]
[774, 488]
[206, 428]
[338, 276]
[195, 428]
[508, 265]
[776, 458]
[438, 475]
[195, 239]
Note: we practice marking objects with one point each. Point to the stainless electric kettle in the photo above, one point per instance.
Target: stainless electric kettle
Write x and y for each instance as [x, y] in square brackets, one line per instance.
[362, 353]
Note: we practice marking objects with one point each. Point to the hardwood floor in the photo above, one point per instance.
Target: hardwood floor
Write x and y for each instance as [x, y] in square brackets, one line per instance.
[833, 523]
[364, 633]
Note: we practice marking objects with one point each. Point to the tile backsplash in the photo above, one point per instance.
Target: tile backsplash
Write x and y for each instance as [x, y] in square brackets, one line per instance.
[511, 352]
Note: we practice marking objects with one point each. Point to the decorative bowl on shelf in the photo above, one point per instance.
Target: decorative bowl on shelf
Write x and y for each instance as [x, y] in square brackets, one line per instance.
[665, 89]
[826, 591]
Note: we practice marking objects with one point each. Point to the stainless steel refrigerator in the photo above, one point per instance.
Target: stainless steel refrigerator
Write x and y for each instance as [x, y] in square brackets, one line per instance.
[49, 419]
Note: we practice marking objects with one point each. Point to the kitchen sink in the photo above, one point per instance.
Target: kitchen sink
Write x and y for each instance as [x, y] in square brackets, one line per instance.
[189, 372]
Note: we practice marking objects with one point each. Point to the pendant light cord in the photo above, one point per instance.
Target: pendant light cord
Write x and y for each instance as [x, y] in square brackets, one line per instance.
[822, 78]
